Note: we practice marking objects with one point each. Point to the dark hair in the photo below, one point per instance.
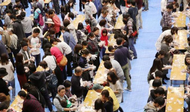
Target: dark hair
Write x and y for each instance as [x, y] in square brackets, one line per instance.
[156, 83]
[107, 64]
[126, 15]
[90, 35]
[119, 41]
[159, 53]
[156, 65]
[85, 51]
[105, 31]
[24, 44]
[2, 97]
[64, 28]
[159, 91]
[51, 11]
[51, 31]
[77, 48]
[19, 58]
[43, 64]
[168, 39]
[66, 22]
[187, 56]
[110, 48]
[106, 58]
[133, 3]
[67, 83]
[22, 93]
[174, 30]
[85, 1]
[105, 93]
[87, 21]
[4, 105]
[32, 67]
[63, 103]
[113, 77]
[12, 16]
[8, 11]
[36, 30]
[176, 5]
[95, 29]
[85, 43]
[22, 14]
[80, 26]
[98, 104]
[170, 6]
[4, 59]
[158, 74]
[71, 15]
[159, 100]
[26, 87]
[102, 22]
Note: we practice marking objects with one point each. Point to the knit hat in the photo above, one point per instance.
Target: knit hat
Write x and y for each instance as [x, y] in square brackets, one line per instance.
[97, 86]
[60, 87]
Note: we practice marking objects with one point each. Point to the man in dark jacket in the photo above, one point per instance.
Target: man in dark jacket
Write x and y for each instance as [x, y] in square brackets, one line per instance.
[76, 88]
[122, 55]
[38, 80]
[17, 28]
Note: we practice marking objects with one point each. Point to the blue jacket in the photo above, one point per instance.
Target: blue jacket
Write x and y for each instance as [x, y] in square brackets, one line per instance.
[121, 55]
[69, 39]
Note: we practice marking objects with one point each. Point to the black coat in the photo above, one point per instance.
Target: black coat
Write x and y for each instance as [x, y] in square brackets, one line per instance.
[18, 30]
[3, 87]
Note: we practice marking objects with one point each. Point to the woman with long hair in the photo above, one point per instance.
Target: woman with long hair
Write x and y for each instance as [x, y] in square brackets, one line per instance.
[10, 70]
[20, 70]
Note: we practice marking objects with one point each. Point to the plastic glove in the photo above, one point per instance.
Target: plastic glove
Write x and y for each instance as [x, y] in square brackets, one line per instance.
[93, 56]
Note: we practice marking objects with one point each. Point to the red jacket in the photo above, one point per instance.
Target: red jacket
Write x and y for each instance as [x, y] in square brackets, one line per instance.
[88, 28]
[104, 38]
[57, 23]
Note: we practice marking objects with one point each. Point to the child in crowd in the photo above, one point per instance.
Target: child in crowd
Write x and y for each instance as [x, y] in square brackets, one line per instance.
[104, 39]
[88, 28]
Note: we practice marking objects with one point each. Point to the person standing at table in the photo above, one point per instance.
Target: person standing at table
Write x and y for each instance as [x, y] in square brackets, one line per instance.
[98, 88]
[30, 104]
[3, 85]
[77, 88]
[122, 55]
[10, 70]
[129, 28]
[166, 21]
[35, 44]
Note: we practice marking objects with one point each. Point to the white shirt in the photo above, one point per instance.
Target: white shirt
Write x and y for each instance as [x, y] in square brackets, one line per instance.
[163, 5]
[117, 87]
[159, 41]
[50, 60]
[35, 42]
[64, 48]
[10, 70]
[93, 7]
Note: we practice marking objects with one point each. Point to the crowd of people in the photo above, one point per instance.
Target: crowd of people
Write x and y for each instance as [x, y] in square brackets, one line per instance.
[45, 48]
[157, 76]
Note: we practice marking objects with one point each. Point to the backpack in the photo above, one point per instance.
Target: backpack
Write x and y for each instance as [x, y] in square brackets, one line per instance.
[53, 81]
[83, 37]
[40, 18]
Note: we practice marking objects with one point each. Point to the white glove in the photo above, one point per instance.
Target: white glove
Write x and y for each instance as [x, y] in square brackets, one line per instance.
[93, 57]
[10, 88]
